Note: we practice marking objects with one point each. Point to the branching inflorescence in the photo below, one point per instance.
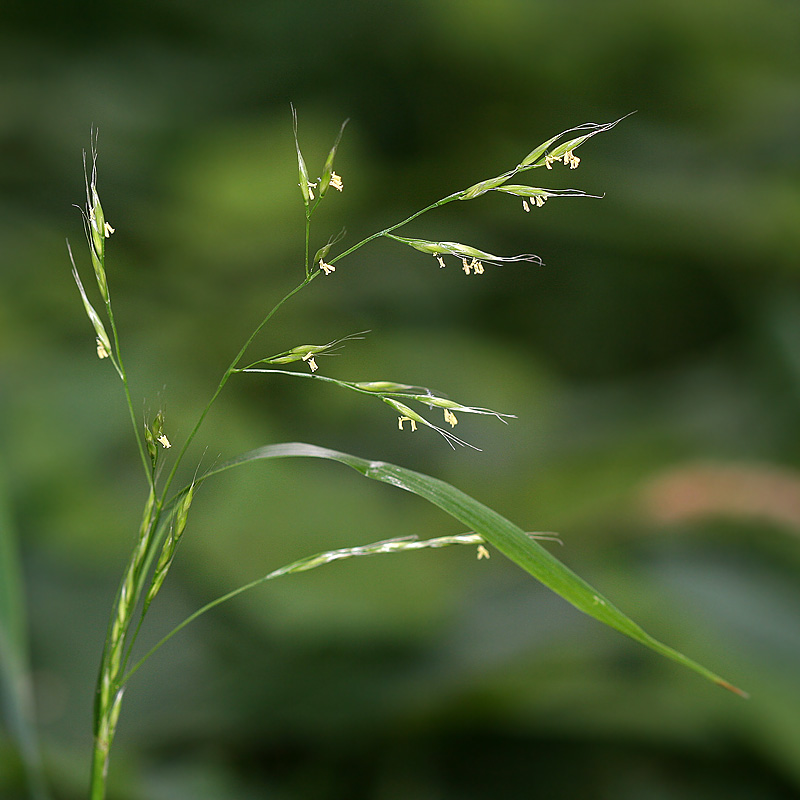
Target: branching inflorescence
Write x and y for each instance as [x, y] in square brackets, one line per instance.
[165, 515]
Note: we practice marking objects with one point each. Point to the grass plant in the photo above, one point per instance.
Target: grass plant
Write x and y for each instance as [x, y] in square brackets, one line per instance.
[167, 509]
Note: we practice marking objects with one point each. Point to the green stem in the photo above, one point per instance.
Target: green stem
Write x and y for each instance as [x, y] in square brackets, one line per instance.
[97, 785]
[108, 682]
[308, 241]
[160, 503]
[191, 618]
[312, 562]
[228, 372]
[120, 367]
[137, 567]
[437, 204]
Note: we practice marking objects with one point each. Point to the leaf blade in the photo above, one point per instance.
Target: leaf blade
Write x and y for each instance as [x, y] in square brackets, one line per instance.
[503, 534]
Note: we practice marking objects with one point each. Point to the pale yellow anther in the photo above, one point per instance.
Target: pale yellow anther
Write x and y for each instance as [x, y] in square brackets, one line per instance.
[466, 265]
[540, 200]
[477, 266]
[311, 187]
[336, 182]
[163, 441]
[525, 206]
[482, 552]
[442, 265]
[102, 350]
[450, 418]
[326, 268]
[309, 359]
[571, 159]
[401, 420]
[108, 230]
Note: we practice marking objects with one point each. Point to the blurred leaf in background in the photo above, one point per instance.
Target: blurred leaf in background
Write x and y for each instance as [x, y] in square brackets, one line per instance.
[662, 332]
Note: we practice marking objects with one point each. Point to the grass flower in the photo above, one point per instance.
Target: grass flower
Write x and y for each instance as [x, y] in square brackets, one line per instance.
[471, 258]
[401, 420]
[103, 343]
[568, 157]
[336, 182]
[329, 177]
[474, 265]
[407, 413]
[306, 352]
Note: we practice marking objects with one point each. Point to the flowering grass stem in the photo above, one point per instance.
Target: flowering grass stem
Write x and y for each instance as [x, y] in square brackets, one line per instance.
[157, 530]
[163, 520]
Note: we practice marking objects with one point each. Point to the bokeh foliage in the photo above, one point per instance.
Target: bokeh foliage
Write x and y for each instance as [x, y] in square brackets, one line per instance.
[662, 332]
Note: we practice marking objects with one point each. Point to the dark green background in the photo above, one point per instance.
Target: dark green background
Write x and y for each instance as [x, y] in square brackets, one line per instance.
[663, 331]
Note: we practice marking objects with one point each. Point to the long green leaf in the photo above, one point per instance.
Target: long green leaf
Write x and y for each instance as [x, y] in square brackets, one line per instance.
[508, 538]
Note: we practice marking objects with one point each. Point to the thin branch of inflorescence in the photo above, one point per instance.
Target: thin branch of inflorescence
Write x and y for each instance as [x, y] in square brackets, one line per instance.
[394, 395]
[396, 545]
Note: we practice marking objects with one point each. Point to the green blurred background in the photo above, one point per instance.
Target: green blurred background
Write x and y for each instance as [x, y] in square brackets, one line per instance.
[654, 365]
